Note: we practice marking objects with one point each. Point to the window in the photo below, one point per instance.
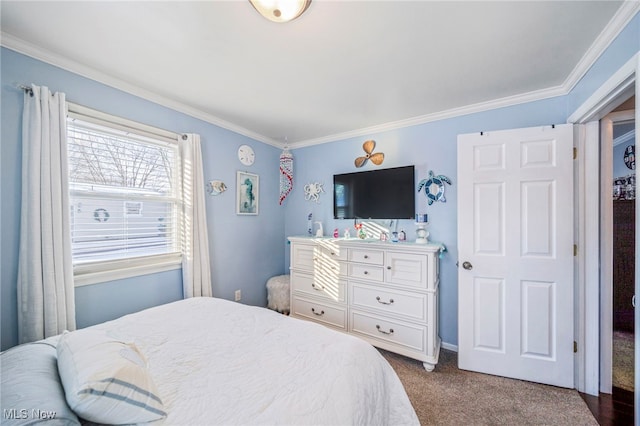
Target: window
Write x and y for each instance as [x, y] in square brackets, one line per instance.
[125, 200]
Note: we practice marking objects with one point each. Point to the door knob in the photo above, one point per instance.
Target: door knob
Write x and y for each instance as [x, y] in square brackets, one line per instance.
[467, 265]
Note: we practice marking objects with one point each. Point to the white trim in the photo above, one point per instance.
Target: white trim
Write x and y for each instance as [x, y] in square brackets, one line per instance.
[624, 117]
[625, 13]
[599, 104]
[590, 260]
[449, 346]
[617, 87]
[629, 137]
[606, 253]
[587, 266]
[621, 18]
[83, 113]
[100, 272]
[442, 115]
[579, 137]
[18, 45]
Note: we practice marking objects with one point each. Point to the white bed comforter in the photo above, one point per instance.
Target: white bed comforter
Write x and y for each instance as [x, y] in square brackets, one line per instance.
[220, 362]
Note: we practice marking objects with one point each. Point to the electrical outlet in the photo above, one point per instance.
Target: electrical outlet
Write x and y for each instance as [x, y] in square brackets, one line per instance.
[238, 295]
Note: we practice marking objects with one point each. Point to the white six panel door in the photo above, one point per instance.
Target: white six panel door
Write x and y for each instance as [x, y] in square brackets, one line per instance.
[515, 240]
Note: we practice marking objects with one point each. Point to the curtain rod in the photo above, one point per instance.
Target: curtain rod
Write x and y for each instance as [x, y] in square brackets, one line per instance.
[26, 88]
[88, 114]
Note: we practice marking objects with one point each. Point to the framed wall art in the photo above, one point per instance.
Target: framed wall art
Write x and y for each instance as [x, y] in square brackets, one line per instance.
[247, 193]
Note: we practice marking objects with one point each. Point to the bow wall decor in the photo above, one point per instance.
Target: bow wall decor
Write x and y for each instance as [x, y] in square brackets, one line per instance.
[376, 158]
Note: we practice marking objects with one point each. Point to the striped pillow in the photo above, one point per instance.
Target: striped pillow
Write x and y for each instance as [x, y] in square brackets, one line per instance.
[106, 380]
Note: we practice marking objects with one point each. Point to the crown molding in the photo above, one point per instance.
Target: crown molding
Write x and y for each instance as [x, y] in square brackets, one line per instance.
[441, 115]
[28, 49]
[626, 138]
[623, 16]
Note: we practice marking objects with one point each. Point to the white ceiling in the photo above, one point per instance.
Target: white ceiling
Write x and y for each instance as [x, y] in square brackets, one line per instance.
[342, 69]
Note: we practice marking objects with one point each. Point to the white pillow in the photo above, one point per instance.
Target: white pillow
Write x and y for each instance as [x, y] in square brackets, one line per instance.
[105, 380]
[31, 388]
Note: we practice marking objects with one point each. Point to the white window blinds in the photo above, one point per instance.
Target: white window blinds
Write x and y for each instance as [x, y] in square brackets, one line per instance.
[124, 192]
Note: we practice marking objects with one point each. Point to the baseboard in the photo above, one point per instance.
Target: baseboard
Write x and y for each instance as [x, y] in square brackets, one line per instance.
[449, 346]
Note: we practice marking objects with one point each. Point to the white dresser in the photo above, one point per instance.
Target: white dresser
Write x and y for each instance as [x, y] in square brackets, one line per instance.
[383, 292]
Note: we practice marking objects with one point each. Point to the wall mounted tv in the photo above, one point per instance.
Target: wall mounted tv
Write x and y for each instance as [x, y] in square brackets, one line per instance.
[375, 194]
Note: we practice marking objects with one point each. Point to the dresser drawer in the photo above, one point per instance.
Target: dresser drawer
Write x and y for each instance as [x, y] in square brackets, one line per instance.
[302, 256]
[325, 286]
[409, 270]
[412, 306]
[332, 251]
[330, 315]
[409, 336]
[366, 272]
[331, 268]
[369, 256]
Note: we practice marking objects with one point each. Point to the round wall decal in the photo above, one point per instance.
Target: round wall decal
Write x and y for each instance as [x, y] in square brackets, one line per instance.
[630, 157]
[101, 215]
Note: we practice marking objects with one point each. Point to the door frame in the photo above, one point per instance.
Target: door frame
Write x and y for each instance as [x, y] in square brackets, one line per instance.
[606, 245]
[621, 85]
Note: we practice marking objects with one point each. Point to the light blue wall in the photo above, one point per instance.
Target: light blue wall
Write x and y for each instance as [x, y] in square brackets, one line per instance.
[626, 44]
[245, 250]
[430, 146]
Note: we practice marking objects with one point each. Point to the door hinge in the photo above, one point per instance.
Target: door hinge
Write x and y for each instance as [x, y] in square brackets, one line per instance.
[575, 347]
[575, 152]
[575, 249]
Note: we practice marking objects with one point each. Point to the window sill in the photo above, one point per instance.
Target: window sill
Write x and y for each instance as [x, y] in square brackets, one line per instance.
[100, 272]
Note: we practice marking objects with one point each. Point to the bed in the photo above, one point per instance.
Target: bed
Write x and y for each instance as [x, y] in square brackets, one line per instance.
[203, 361]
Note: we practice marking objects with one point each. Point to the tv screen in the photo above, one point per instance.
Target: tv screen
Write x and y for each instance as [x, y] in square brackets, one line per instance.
[375, 194]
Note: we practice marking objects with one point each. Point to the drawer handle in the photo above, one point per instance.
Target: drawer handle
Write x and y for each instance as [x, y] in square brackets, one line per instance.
[389, 268]
[317, 287]
[366, 272]
[384, 303]
[384, 332]
[333, 253]
[319, 314]
[366, 256]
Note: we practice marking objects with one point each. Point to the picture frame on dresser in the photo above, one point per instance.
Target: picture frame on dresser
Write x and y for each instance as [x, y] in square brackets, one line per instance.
[247, 193]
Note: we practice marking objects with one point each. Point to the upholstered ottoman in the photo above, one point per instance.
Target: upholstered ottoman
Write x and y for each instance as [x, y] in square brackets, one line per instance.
[278, 294]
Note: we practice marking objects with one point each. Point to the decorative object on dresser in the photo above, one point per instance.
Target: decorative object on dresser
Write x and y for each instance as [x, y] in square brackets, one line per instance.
[434, 187]
[384, 293]
[376, 158]
[422, 235]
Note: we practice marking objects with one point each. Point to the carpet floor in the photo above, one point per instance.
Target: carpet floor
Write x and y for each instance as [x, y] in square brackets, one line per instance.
[623, 347]
[450, 396]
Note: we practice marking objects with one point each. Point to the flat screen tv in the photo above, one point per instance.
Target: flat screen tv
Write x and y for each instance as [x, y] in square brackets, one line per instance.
[375, 194]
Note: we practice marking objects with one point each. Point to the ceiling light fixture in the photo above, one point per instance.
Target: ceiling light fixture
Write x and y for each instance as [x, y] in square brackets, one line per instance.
[280, 10]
